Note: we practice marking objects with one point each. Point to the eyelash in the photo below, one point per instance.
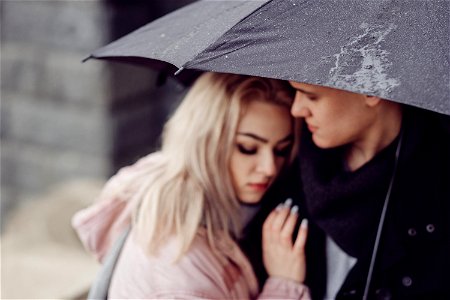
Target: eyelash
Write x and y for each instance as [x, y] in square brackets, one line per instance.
[311, 98]
[282, 152]
[278, 152]
[246, 151]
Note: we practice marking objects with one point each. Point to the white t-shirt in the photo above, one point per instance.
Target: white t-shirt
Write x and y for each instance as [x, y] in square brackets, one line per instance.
[339, 264]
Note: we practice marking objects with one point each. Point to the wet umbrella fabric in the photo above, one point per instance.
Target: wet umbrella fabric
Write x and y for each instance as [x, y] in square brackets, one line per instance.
[398, 50]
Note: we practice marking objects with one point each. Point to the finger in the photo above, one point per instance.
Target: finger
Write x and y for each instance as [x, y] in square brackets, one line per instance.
[269, 220]
[282, 212]
[271, 217]
[267, 235]
[279, 219]
[300, 241]
[289, 225]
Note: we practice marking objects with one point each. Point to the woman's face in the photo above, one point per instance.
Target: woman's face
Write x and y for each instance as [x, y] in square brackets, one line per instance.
[263, 144]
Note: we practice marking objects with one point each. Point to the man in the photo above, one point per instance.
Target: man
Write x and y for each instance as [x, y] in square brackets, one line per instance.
[348, 162]
[359, 153]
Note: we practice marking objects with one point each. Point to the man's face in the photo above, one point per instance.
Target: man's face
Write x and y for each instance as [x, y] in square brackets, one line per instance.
[334, 117]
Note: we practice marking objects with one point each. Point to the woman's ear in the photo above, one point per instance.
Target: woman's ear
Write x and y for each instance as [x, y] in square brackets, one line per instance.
[372, 101]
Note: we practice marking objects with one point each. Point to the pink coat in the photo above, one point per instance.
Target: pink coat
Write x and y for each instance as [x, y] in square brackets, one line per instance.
[200, 274]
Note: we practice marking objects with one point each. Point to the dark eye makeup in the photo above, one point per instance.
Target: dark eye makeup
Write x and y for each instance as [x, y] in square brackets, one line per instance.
[284, 152]
[246, 150]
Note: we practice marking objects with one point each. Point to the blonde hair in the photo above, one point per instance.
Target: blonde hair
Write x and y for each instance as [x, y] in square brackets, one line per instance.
[192, 186]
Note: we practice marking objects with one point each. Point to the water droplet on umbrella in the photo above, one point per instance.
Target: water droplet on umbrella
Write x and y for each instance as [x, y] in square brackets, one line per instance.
[368, 67]
[162, 35]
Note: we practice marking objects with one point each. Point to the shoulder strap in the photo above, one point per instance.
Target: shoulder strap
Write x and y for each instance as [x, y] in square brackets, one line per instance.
[100, 286]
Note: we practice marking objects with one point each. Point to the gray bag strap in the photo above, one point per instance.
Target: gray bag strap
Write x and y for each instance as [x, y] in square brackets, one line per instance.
[100, 286]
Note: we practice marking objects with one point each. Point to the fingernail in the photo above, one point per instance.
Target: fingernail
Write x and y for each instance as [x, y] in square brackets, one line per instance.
[304, 223]
[279, 206]
[294, 210]
[288, 202]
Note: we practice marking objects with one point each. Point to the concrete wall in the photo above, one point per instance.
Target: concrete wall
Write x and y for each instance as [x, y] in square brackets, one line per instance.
[65, 127]
[62, 119]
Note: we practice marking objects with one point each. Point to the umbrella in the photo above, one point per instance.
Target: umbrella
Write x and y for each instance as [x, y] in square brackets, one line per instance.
[394, 49]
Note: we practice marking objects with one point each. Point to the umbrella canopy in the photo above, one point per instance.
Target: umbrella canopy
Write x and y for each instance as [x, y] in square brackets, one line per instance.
[394, 49]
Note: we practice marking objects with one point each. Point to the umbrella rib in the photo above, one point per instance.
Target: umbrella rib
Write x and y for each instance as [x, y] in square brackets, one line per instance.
[178, 71]
[187, 64]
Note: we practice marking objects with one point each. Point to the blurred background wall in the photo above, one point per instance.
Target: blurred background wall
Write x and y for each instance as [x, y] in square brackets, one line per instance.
[67, 126]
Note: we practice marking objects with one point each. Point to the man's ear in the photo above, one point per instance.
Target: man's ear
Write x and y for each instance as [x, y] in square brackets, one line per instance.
[372, 101]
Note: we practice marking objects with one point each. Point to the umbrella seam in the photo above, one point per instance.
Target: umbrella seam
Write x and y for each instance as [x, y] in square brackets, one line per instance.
[187, 64]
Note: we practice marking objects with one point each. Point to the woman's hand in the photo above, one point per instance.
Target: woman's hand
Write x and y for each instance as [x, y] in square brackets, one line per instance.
[282, 257]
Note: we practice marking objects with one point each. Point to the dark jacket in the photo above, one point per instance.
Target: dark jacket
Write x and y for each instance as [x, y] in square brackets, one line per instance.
[413, 261]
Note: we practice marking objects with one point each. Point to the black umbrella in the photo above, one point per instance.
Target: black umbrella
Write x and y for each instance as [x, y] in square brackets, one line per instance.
[395, 49]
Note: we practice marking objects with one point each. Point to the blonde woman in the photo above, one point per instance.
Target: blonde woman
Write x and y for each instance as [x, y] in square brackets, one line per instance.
[222, 149]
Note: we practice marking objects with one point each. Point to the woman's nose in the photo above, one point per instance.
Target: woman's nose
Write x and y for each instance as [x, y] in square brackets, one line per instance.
[299, 108]
[267, 165]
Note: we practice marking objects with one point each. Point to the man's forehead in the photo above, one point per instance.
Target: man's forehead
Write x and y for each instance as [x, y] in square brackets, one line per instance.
[313, 88]
[306, 87]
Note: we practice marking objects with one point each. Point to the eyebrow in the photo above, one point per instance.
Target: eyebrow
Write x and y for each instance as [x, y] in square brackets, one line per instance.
[261, 139]
[303, 91]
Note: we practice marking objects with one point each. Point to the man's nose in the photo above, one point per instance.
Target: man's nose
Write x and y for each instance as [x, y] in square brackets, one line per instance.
[267, 164]
[299, 108]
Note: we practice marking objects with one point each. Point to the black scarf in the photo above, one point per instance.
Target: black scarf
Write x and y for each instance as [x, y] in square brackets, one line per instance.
[346, 205]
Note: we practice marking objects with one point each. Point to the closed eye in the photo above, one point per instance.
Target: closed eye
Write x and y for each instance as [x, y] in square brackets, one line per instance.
[309, 95]
[246, 151]
[284, 152]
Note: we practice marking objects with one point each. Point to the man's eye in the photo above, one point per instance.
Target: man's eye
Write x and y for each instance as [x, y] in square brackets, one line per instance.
[282, 152]
[247, 151]
[310, 97]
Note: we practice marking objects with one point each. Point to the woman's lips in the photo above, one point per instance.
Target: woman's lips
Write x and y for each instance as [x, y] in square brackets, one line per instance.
[258, 186]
